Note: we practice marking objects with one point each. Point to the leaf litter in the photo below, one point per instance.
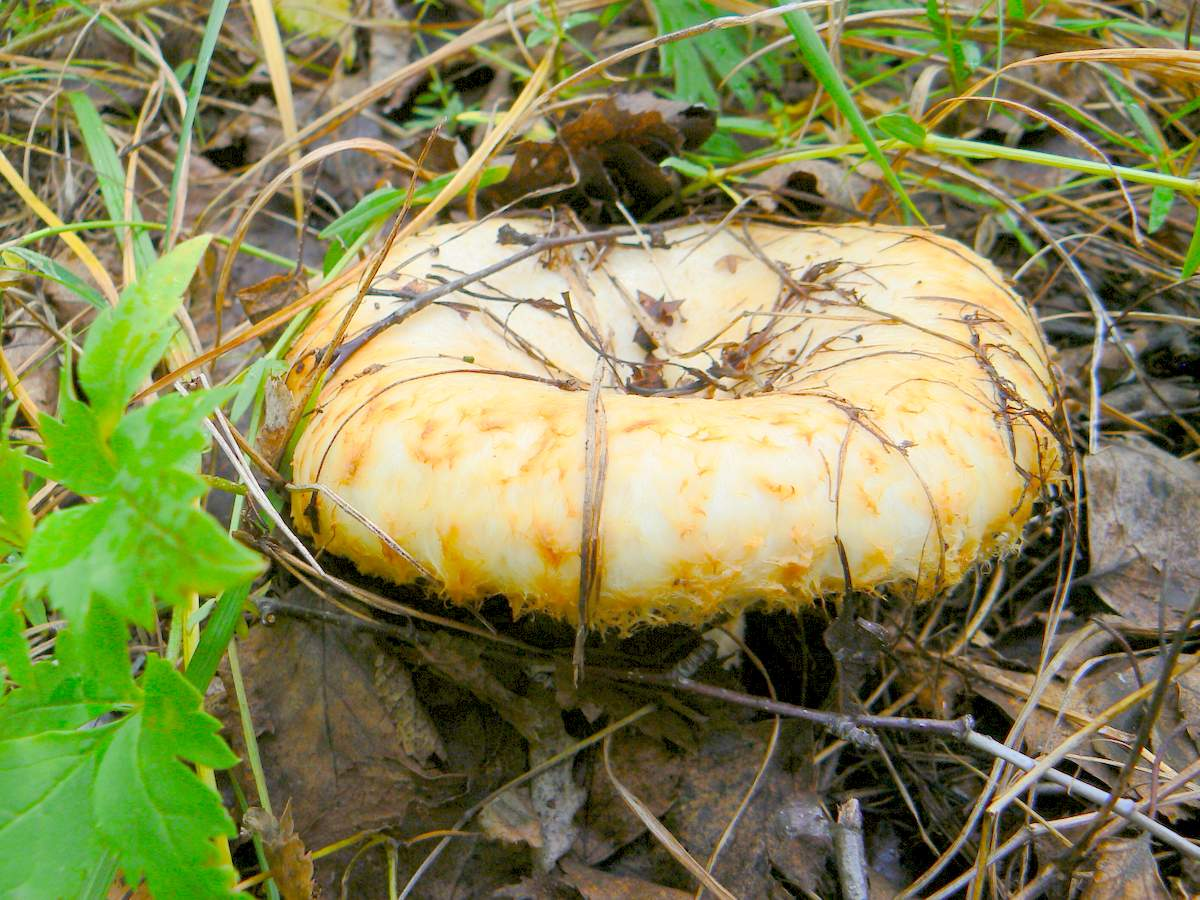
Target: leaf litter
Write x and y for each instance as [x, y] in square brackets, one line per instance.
[369, 733]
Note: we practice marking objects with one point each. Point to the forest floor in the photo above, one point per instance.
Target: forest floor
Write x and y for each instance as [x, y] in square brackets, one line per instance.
[1059, 140]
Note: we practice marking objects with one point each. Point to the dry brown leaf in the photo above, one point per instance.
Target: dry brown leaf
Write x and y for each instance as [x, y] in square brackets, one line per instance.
[802, 186]
[1143, 506]
[783, 829]
[329, 742]
[1125, 870]
[597, 885]
[512, 819]
[607, 154]
[418, 734]
[290, 863]
[650, 770]
[535, 714]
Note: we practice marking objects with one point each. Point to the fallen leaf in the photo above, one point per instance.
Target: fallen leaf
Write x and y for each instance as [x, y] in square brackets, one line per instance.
[815, 188]
[535, 714]
[1125, 870]
[329, 743]
[291, 864]
[418, 732]
[650, 770]
[1143, 506]
[609, 154]
[597, 885]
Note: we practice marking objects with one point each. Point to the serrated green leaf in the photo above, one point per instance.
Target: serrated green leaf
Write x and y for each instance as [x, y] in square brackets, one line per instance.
[70, 798]
[88, 677]
[128, 553]
[151, 808]
[48, 842]
[14, 652]
[143, 538]
[16, 522]
[77, 448]
[125, 343]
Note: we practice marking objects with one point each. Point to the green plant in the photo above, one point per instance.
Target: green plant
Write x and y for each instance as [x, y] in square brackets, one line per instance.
[94, 773]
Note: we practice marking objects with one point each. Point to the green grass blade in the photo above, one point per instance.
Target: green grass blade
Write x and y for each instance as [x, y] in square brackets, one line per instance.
[110, 173]
[217, 634]
[1191, 262]
[816, 57]
[208, 44]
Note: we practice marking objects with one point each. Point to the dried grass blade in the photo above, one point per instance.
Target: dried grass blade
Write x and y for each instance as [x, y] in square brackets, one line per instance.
[72, 240]
[281, 84]
[660, 832]
[595, 456]
[1055, 756]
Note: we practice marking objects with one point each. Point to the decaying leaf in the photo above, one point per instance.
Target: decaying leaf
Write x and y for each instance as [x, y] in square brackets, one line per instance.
[1076, 699]
[812, 188]
[594, 884]
[651, 771]
[291, 864]
[1143, 506]
[512, 819]
[554, 795]
[418, 732]
[1125, 870]
[608, 154]
[329, 743]
[782, 834]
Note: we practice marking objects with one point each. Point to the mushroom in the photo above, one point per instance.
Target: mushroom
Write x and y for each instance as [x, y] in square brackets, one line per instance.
[712, 415]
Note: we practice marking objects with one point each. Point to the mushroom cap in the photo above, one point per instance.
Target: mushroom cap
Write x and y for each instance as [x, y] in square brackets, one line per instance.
[855, 402]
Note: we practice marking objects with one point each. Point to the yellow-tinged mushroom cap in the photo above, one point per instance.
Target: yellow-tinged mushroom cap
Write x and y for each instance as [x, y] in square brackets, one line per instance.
[772, 398]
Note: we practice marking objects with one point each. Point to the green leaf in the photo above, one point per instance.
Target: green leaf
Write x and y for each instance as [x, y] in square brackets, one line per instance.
[129, 552]
[1161, 201]
[124, 344]
[143, 537]
[14, 652]
[48, 840]
[16, 522]
[318, 18]
[216, 636]
[109, 173]
[1191, 260]
[689, 60]
[903, 127]
[151, 808]
[77, 448]
[22, 259]
[88, 677]
[70, 798]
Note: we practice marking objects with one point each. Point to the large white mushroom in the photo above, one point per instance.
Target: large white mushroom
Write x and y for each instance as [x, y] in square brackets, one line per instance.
[779, 412]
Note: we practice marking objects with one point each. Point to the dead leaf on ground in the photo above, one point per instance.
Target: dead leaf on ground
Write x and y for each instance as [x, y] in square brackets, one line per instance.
[783, 832]
[1143, 506]
[611, 152]
[535, 714]
[650, 770]
[814, 188]
[594, 884]
[291, 864]
[1125, 870]
[1067, 705]
[329, 743]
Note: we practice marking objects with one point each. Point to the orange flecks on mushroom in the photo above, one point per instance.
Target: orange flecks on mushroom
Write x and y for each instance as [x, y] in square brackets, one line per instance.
[878, 392]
